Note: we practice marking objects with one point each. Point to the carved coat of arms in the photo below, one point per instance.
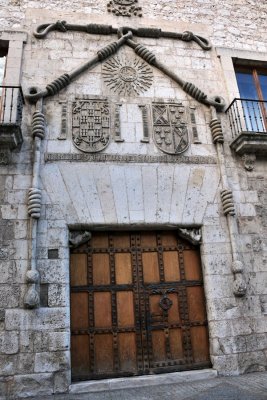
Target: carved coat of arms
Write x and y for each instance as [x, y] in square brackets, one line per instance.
[169, 127]
[90, 124]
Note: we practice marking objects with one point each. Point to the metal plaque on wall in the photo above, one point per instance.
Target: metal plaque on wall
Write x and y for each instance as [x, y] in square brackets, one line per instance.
[91, 124]
[169, 127]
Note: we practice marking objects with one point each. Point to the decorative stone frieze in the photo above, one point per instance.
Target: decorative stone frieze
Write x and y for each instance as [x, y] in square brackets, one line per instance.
[130, 158]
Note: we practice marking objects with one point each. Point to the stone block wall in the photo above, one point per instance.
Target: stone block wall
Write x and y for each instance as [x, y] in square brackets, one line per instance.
[35, 344]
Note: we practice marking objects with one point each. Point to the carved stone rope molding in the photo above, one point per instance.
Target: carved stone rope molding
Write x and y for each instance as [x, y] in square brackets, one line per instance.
[239, 287]
[64, 80]
[32, 297]
[188, 87]
[100, 29]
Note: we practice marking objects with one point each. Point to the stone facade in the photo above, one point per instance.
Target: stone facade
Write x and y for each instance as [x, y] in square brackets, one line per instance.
[130, 180]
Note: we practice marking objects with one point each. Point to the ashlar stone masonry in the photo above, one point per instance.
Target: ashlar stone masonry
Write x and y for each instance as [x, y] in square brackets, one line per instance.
[116, 141]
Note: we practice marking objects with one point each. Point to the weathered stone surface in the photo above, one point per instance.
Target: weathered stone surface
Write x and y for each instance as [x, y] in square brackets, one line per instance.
[9, 296]
[62, 381]
[41, 319]
[51, 341]
[52, 361]
[9, 342]
[33, 385]
[226, 364]
[54, 271]
[252, 362]
[58, 295]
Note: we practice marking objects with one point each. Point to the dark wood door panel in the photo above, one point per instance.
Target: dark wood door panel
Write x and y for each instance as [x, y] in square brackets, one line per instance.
[137, 305]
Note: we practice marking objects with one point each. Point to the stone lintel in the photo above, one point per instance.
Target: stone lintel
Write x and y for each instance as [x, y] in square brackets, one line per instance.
[13, 35]
[250, 142]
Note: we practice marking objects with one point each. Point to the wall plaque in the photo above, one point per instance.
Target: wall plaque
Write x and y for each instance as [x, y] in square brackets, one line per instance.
[169, 127]
[91, 124]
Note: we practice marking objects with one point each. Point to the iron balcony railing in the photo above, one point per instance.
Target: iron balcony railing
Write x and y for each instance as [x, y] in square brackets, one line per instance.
[247, 115]
[11, 104]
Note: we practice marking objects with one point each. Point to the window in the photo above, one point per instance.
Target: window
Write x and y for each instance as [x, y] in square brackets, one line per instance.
[252, 85]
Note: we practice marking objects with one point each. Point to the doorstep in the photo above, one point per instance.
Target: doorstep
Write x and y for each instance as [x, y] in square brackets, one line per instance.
[141, 381]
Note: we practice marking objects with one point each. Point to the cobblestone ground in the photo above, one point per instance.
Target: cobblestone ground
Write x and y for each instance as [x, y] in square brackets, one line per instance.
[246, 387]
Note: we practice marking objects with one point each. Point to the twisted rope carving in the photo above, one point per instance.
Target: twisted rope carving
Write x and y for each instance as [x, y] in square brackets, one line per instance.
[196, 93]
[58, 84]
[99, 29]
[147, 55]
[187, 36]
[38, 124]
[216, 131]
[34, 202]
[227, 202]
[107, 51]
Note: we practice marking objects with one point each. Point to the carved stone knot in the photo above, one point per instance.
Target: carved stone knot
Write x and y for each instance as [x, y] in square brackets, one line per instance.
[61, 26]
[187, 36]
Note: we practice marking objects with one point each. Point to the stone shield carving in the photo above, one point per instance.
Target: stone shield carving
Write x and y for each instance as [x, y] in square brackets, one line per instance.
[91, 124]
[169, 127]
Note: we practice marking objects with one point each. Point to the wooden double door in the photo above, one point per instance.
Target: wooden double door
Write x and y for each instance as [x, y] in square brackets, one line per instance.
[137, 306]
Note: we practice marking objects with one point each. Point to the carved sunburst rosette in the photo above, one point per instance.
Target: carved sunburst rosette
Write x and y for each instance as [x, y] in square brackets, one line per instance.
[127, 76]
[91, 124]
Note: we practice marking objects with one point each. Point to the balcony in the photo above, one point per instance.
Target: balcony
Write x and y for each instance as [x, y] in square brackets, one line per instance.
[11, 105]
[248, 124]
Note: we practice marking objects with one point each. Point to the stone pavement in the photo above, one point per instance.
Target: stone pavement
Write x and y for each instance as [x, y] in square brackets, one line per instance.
[246, 387]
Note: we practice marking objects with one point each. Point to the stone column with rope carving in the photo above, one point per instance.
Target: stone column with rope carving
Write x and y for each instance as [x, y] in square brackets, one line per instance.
[239, 287]
[32, 297]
